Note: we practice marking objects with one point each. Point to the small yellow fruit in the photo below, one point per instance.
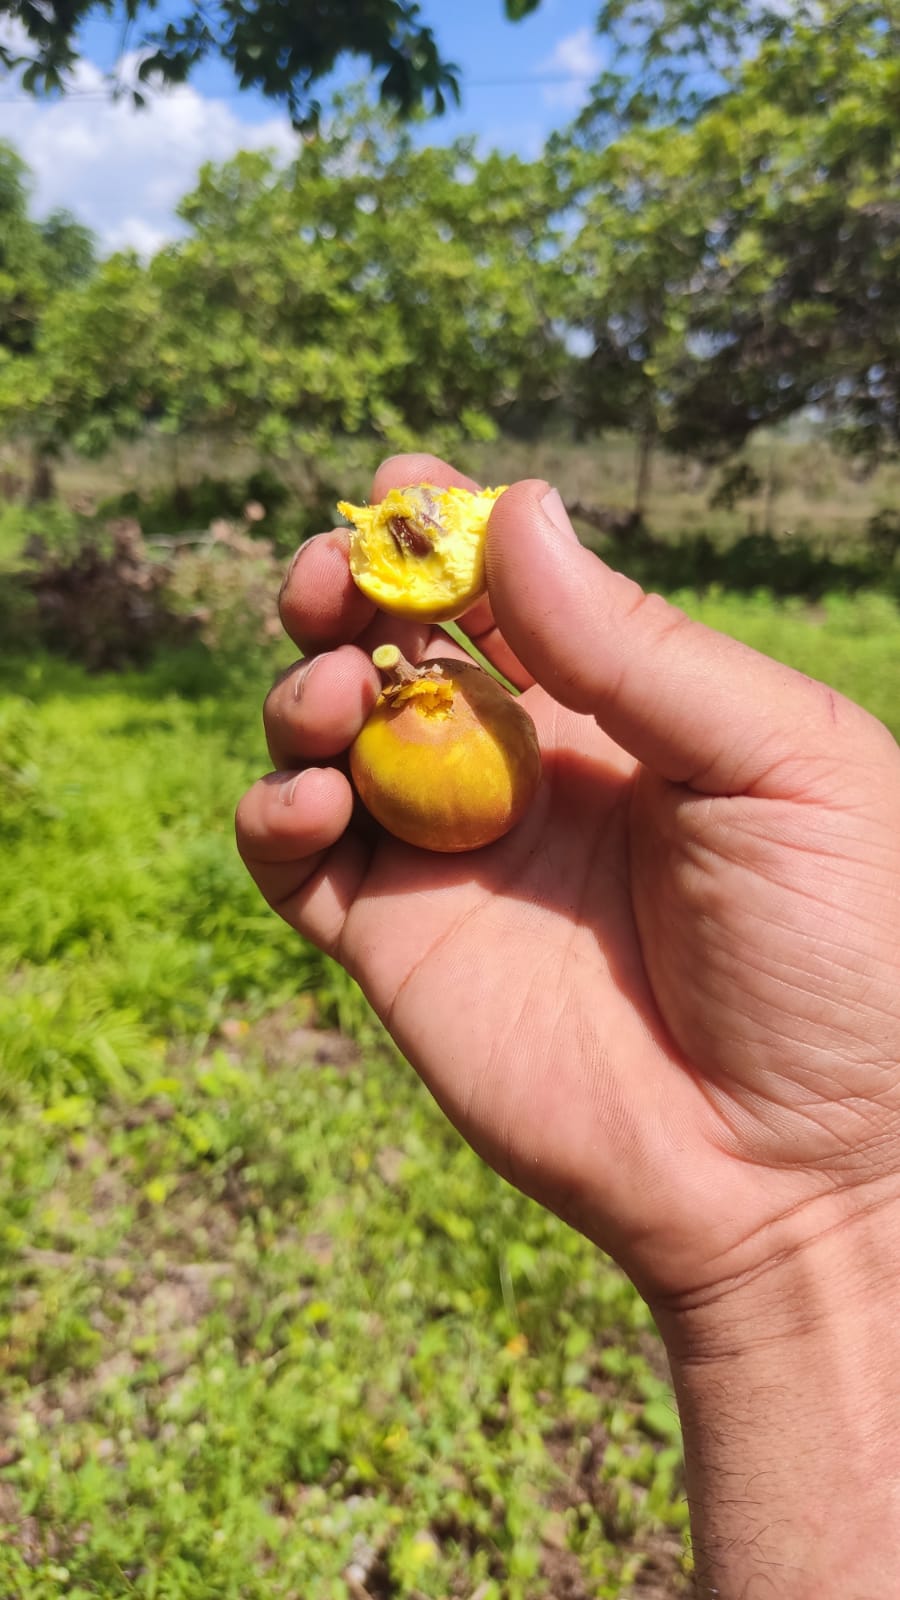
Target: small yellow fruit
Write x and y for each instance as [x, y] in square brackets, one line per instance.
[447, 760]
[420, 551]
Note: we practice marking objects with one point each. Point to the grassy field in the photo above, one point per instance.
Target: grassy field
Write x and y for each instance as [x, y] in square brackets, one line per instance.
[265, 1322]
[806, 487]
[267, 1328]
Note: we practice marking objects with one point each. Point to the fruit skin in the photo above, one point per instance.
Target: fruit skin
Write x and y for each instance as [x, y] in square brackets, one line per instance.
[449, 762]
[420, 551]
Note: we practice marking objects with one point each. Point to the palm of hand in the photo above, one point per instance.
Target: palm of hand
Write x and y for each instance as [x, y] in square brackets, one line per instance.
[609, 1004]
[666, 1004]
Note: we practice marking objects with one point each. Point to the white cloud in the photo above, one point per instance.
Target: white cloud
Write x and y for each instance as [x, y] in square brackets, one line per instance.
[135, 233]
[578, 58]
[120, 170]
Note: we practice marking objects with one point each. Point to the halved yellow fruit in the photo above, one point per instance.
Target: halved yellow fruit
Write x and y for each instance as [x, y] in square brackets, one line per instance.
[420, 551]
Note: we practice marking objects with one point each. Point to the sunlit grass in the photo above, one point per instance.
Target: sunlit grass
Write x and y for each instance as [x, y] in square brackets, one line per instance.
[265, 1323]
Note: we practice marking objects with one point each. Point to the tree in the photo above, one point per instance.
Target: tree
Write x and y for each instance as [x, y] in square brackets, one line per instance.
[92, 374]
[283, 50]
[368, 289]
[37, 261]
[36, 258]
[798, 304]
[740, 240]
[639, 232]
[674, 59]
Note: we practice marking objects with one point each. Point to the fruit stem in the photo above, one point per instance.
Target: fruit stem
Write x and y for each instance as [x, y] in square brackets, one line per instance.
[393, 665]
[454, 632]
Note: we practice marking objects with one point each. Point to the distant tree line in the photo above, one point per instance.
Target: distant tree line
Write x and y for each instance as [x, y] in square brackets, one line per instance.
[712, 246]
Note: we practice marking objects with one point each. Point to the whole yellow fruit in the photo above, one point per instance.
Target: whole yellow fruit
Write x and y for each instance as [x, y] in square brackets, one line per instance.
[420, 551]
[448, 760]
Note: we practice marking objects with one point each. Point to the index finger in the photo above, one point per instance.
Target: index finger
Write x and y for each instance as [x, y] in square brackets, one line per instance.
[321, 607]
[320, 604]
[399, 472]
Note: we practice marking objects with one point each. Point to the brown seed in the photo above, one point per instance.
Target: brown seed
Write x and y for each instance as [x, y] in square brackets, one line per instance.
[408, 537]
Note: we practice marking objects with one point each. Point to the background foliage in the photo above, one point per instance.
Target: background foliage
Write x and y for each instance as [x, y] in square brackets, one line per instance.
[691, 266]
[266, 1327]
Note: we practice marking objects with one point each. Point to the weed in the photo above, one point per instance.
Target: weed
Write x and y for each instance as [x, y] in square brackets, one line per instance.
[268, 1329]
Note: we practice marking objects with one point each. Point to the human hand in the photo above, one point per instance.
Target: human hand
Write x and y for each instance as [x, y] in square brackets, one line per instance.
[666, 1004]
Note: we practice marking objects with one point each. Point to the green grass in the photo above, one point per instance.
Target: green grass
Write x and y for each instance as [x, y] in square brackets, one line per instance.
[851, 642]
[126, 915]
[322, 1329]
[267, 1328]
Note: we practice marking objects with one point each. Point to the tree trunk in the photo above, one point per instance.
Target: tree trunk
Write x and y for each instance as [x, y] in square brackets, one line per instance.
[42, 486]
[182, 496]
[771, 493]
[646, 450]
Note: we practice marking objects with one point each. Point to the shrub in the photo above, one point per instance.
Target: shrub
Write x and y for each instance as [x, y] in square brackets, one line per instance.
[103, 603]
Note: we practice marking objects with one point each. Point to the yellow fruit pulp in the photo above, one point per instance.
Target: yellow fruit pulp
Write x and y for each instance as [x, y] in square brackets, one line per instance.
[420, 551]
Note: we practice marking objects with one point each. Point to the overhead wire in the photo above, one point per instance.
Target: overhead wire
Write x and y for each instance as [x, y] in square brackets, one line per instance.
[86, 96]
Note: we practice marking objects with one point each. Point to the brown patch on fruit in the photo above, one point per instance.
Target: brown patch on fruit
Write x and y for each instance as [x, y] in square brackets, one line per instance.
[407, 537]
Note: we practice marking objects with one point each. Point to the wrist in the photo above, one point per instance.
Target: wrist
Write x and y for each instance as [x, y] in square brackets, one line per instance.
[824, 1279]
[786, 1384]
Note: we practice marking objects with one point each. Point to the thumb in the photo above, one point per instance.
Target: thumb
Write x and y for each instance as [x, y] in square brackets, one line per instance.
[689, 703]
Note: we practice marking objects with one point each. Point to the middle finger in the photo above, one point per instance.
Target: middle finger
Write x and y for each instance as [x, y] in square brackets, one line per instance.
[318, 706]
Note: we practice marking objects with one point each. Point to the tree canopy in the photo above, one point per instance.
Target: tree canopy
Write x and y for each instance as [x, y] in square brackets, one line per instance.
[736, 258]
[36, 258]
[370, 288]
[670, 60]
[281, 50]
[687, 275]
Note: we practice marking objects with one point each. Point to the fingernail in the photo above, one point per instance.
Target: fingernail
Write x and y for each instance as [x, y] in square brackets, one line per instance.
[294, 559]
[286, 791]
[554, 509]
[302, 676]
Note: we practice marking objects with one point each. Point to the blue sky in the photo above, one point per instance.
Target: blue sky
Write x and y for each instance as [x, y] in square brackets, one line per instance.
[518, 80]
[122, 171]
